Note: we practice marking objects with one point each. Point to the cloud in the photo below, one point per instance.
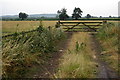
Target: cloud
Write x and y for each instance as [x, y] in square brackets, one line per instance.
[93, 7]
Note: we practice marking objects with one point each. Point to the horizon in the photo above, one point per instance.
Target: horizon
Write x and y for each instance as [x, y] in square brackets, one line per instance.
[103, 8]
[54, 13]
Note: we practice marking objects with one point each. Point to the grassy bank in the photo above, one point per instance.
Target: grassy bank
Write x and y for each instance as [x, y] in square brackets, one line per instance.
[108, 37]
[78, 60]
[24, 51]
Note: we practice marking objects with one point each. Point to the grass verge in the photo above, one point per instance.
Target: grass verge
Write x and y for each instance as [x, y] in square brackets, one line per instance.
[24, 51]
[108, 37]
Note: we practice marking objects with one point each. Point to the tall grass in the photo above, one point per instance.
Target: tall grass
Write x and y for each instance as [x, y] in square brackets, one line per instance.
[77, 61]
[108, 37]
[23, 51]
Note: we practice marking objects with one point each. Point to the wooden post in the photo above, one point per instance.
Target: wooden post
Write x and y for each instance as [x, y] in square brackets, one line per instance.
[57, 24]
[104, 23]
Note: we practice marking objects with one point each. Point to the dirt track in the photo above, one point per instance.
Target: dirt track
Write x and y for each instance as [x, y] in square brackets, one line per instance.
[105, 70]
[49, 69]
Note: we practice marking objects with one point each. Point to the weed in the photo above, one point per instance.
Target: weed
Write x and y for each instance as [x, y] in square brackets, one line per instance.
[79, 46]
[80, 65]
[22, 51]
[108, 37]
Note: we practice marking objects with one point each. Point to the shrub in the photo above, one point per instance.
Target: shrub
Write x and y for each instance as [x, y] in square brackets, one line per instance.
[22, 51]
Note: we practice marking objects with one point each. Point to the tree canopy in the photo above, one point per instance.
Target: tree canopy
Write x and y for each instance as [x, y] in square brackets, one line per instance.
[77, 13]
[62, 14]
[88, 16]
[23, 15]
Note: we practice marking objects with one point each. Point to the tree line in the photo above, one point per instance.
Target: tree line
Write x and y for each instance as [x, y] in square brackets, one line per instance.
[77, 13]
[62, 14]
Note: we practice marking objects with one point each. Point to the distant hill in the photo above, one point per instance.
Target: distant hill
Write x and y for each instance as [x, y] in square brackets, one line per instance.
[43, 15]
[10, 16]
[32, 16]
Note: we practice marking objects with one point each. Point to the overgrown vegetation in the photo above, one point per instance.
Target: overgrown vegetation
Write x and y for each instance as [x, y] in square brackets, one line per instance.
[77, 61]
[22, 52]
[108, 37]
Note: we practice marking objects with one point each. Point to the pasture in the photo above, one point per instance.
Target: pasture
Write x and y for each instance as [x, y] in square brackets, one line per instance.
[9, 27]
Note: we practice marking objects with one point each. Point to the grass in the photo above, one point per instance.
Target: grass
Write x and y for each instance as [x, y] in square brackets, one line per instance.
[24, 51]
[108, 37]
[9, 27]
[77, 61]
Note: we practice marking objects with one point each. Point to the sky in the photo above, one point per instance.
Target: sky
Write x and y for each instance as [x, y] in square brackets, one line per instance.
[92, 7]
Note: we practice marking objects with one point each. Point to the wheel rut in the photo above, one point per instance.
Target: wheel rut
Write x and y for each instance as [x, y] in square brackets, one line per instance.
[49, 69]
[104, 70]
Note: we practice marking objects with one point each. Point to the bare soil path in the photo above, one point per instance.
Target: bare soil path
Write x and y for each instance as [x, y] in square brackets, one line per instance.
[105, 70]
[49, 69]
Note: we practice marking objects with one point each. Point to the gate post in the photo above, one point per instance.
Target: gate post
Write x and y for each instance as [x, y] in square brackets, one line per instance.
[105, 23]
[57, 24]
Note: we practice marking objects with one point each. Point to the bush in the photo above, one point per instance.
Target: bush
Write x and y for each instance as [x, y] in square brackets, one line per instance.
[22, 51]
[108, 37]
[107, 31]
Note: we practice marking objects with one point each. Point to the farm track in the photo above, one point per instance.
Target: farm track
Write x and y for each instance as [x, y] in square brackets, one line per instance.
[49, 69]
[105, 71]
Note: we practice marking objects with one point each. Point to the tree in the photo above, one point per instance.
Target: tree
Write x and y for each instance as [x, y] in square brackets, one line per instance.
[77, 13]
[62, 14]
[23, 15]
[110, 16]
[100, 16]
[88, 16]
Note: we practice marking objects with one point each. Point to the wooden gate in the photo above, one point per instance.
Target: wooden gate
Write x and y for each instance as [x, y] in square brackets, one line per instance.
[80, 26]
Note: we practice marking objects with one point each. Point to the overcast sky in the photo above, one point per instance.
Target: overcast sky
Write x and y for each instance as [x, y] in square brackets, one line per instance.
[93, 7]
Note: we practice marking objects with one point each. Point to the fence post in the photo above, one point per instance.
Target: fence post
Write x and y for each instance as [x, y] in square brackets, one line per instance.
[57, 24]
[104, 23]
